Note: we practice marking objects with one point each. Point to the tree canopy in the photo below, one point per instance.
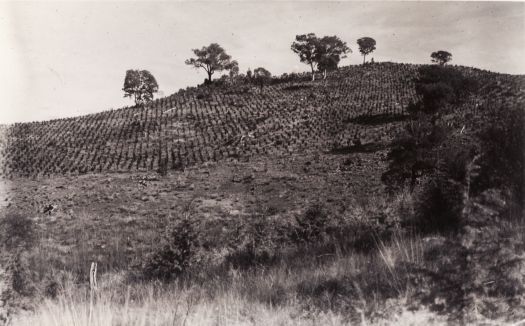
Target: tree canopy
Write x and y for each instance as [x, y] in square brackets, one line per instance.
[441, 57]
[321, 53]
[306, 46]
[261, 76]
[440, 86]
[366, 46]
[211, 58]
[234, 70]
[141, 85]
[330, 50]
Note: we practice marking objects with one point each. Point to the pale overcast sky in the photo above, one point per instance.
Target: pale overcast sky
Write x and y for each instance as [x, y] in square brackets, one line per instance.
[68, 59]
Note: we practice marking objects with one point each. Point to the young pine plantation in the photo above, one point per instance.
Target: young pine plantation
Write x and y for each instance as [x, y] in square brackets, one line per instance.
[384, 194]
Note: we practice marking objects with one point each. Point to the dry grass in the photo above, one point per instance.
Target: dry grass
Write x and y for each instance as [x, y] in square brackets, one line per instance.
[343, 288]
[321, 283]
[180, 308]
[175, 307]
[305, 291]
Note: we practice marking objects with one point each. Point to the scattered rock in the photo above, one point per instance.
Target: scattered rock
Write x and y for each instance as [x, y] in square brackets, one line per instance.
[243, 179]
[49, 209]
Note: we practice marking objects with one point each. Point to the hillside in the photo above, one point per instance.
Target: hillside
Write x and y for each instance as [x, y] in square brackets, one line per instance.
[363, 104]
[226, 205]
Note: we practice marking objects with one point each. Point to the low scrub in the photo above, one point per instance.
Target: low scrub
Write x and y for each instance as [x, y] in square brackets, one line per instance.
[16, 232]
[439, 204]
[175, 253]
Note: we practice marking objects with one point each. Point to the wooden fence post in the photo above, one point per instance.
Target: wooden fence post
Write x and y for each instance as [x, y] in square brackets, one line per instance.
[92, 289]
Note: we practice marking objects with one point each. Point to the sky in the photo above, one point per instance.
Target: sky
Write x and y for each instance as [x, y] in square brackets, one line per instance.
[68, 59]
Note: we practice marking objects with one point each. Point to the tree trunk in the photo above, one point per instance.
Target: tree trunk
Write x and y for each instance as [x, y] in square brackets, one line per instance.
[313, 71]
[209, 75]
[364, 56]
[324, 74]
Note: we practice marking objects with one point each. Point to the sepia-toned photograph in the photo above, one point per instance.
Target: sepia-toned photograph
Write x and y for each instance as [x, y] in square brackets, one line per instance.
[236, 163]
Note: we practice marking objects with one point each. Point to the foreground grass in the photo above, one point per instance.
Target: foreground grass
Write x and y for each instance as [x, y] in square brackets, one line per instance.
[183, 308]
[404, 278]
[175, 307]
[350, 288]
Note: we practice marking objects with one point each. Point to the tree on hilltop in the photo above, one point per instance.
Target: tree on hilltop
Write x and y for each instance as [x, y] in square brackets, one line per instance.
[234, 71]
[441, 57]
[320, 53]
[261, 76]
[330, 50]
[141, 85]
[211, 58]
[306, 47]
[366, 46]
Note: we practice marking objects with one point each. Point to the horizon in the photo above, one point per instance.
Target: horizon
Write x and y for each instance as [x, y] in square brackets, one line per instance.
[70, 59]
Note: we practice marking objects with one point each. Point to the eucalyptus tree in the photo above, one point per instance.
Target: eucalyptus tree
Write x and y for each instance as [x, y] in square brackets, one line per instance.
[441, 57]
[140, 84]
[367, 45]
[211, 58]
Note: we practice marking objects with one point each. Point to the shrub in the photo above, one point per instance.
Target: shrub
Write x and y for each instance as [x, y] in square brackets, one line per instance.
[435, 96]
[438, 205]
[311, 226]
[256, 242]
[175, 253]
[17, 237]
[454, 162]
[23, 278]
[503, 155]
[439, 86]
[413, 154]
[417, 150]
[16, 231]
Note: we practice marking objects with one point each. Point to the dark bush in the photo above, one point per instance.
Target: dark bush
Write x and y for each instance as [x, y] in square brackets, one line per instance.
[311, 225]
[22, 275]
[417, 150]
[256, 242]
[202, 96]
[503, 154]
[454, 79]
[175, 253]
[455, 157]
[17, 231]
[17, 237]
[439, 86]
[435, 96]
[413, 154]
[438, 205]
[52, 289]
